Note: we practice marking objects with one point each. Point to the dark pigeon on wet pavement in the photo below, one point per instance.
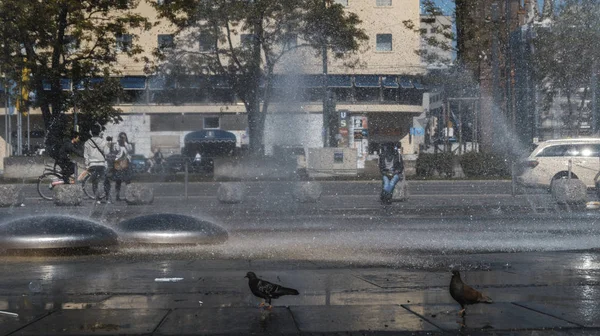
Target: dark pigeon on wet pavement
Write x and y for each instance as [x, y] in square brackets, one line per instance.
[267, 290]
[464, 294]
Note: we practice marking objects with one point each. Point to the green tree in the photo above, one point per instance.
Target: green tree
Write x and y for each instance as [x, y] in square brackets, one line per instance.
[74, 39]
[271, 26]
[437, 37]
[565, 53]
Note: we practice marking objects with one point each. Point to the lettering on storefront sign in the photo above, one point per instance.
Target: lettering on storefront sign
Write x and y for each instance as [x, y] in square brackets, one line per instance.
[417, 131]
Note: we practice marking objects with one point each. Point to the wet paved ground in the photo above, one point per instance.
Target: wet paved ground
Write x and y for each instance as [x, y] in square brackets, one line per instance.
[359, 267]
[116, 293]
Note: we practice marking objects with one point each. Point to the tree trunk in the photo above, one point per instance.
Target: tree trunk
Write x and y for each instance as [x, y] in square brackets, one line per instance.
[256, 119]
[570, 109]
[255, 126]
[580, 110]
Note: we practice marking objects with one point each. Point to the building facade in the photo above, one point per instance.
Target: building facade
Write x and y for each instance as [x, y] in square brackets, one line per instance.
[376, 100]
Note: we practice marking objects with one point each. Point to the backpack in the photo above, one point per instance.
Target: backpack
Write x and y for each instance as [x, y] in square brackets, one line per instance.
[112, 159]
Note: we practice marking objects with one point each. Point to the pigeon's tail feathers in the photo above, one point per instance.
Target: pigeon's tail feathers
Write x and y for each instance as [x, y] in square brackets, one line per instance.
[287, 291]
[485, 299]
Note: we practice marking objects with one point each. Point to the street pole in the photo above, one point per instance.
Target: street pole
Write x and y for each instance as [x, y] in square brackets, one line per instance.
[326, 116]
[495, 74]
[594, 107]
[19, 132]
[460, 128]
[28, 132]
[6, 120]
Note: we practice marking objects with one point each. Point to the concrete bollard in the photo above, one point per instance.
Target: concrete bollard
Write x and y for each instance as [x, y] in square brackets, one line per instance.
[401, 190]
[569, 191]
[11, 195]
[231, 192]
[67, 194]
[307, 192]
[137, 194]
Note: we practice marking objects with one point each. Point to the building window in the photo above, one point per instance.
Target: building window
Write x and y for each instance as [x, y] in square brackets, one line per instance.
[165, 41]
[211, 123]
[124, 42]
[384, 42]
[290, 41]
[384, 3]
[342, 2]
[207, 43]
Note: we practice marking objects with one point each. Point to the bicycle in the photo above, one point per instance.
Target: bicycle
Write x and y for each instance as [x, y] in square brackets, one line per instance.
[53, 177]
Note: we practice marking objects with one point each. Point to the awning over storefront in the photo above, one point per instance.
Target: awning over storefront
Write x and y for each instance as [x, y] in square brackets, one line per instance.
[133, 82]
[366, 81]
[312, 81]
[389, 82]
[90, 82]
[339, 81]
[160, 83]
[220, 82]
[192, 82]
[406, 83]
[209, 136]
[65, 84]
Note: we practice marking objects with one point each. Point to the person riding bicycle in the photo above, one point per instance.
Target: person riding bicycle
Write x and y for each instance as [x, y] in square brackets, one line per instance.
[94, 153]
[63, 160]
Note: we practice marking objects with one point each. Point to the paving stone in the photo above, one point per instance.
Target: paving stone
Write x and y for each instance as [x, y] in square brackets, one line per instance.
[49, 302]
[384, 297]
[496, 316]
[96, 321]
[584, 312]
[9, 324]
[357, 318]
[544, 293]
[403, 279]
[226, 320]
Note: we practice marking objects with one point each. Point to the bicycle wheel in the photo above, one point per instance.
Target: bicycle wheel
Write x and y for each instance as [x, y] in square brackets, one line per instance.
[45, 184]
[89, 191]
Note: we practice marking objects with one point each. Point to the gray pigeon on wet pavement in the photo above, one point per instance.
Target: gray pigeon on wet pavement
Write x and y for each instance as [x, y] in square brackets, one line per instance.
[266, 290]
[464, 294]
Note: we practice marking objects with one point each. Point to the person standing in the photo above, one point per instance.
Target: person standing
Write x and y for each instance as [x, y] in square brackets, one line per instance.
[121, 168]
[157, 161]
[391, 168]
[95, 150]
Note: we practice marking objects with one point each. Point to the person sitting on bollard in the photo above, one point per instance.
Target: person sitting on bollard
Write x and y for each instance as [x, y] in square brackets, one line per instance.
[391, 168]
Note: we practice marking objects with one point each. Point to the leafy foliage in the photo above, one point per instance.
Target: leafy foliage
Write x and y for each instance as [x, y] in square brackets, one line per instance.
[428, 164]
[437, 38]
[95, 105]
[244, 40]
[565, 51]
[484, 165]
[75, 39]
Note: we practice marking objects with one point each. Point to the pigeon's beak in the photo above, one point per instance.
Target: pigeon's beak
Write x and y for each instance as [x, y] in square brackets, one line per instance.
[245, 276]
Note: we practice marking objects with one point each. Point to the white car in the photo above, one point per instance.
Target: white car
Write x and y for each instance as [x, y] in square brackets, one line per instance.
[551, 160]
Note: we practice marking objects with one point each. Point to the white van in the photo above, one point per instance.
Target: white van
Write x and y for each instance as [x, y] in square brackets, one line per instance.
[550, 161]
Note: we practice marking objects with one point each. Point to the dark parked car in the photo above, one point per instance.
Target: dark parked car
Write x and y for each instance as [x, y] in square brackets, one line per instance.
[176, 163]
[139, 164]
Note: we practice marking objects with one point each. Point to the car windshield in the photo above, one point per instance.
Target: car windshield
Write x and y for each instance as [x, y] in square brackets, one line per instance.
[262, 167]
